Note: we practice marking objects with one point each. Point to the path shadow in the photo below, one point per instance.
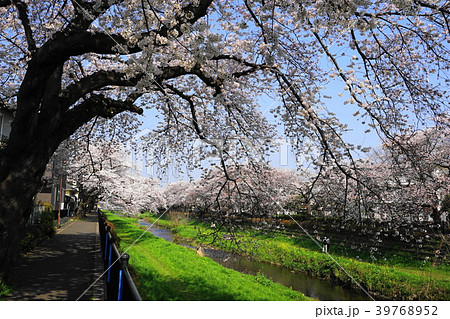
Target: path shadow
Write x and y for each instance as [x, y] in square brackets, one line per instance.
[61, 269]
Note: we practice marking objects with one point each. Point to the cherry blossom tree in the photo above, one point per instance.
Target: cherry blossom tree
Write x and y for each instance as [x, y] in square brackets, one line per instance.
[247, 191]
[248, 195]
[399, 196]
[405, 180]
[176, 195]
[203, 64]
[413, 173]
[106, 175]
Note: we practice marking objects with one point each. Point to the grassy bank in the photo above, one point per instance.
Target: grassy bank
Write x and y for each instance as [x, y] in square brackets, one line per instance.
[398, 282]
[166, 271]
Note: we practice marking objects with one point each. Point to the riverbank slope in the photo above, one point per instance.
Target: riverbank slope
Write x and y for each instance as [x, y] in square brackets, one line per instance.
[385, 282]
[166, 271]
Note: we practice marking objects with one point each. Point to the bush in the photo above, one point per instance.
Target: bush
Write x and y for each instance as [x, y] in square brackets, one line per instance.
[35, 234]
[46, 223]
[4, 290]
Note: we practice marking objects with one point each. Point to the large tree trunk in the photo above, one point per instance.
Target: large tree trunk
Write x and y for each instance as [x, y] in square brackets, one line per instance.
[21, 171]
[32, 142]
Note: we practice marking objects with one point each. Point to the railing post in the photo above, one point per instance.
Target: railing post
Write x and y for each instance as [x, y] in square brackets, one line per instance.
[123, 265]
[118, 283]
[108, 228]
[110, 248]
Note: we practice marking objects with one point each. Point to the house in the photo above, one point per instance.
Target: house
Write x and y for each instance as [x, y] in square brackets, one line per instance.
[58, 190]
[6, 118]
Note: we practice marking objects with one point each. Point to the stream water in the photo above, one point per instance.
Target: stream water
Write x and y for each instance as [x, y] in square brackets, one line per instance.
[312, 287]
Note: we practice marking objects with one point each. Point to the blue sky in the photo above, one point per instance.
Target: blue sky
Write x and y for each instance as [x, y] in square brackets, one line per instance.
[283, 157]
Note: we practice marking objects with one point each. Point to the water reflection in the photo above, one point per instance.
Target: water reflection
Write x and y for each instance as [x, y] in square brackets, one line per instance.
[312, 287]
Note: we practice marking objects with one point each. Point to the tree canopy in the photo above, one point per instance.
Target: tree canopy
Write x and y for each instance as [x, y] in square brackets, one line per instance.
[204, 63]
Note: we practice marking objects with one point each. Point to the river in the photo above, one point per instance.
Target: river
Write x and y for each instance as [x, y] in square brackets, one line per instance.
[311, 287]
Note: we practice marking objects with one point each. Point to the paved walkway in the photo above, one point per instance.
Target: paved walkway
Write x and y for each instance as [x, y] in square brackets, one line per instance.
[63, 267]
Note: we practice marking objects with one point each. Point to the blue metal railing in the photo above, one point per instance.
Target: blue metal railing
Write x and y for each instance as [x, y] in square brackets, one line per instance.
[118, 282]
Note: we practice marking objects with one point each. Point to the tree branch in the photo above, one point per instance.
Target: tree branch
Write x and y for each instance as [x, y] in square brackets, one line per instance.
[5, 3]
[22, 9]
[63, 46]
[191, 14]
[252, 67]
[87, 12]
[444, 8]
[94, 82]
[103, 78]
[95, 105]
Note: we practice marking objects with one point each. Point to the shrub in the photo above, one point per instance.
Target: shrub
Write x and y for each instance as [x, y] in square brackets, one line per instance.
[35, 234]
[4, 290]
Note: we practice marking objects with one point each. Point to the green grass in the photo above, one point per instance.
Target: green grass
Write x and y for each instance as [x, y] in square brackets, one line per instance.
[166, 271]
[4, 290]
[399, 281]
[403, 261]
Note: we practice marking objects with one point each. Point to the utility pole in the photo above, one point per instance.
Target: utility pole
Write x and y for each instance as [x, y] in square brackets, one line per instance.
[58, 225]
